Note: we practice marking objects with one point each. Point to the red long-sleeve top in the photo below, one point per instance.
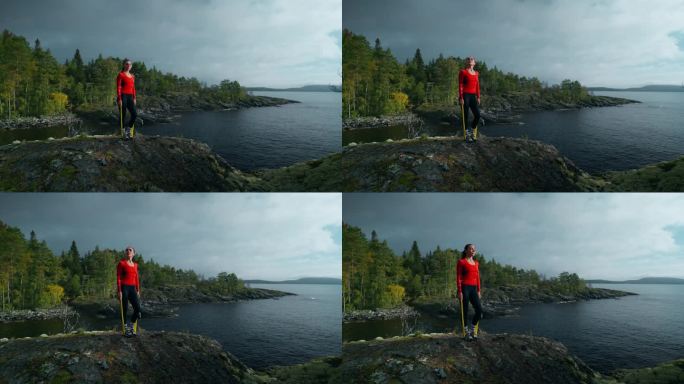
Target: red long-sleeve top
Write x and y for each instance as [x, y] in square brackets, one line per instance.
[125, 84]
[468, 83]
[127, 275]
[467, 274]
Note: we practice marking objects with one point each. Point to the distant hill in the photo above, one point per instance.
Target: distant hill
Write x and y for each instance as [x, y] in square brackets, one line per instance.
[303, 280]
[646, 88]
[306, 88]
[645, 280]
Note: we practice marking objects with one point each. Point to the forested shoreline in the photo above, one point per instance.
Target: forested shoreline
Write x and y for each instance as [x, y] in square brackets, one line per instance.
[375, 83]
[34, 277]
[34, 83]
[375, 277]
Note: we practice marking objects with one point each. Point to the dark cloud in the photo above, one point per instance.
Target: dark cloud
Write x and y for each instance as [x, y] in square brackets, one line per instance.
[609, 42]
[274, 42]
[272, 236]
[596, 235]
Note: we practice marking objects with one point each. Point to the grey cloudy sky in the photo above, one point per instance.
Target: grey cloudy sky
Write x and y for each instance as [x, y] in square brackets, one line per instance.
[277, 43]
[611, 236]
[599, 42]
[267, 236]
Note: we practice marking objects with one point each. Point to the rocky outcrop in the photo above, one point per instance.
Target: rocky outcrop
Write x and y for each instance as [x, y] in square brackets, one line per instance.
[379, 314]
[449, 164]
[322, 175]
[35, 314]
[167, 108]
[164, 301]
[107, 357]
[506, 300]
[493, 358]
[666, 373]
[667, 176]
[447, 358]
[68, 119]
[108, 163]
[408, 119]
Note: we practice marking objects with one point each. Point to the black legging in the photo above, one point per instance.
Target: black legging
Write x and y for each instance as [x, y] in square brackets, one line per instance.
[128, 293]
[127, 104]
[470, 102]
[470, 295]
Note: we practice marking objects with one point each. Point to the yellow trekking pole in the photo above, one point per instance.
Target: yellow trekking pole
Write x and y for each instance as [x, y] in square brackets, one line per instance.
[123, 327]
[121, 121]
[463, 122]
[462, 319]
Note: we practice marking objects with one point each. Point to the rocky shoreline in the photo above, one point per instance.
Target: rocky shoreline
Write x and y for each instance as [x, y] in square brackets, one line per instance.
[361, 315]
[496, 302]
[408, 119]
[68, 119]
[499, 109]
[36, 314]
[494, 358]
[162, 302]
[156, 110]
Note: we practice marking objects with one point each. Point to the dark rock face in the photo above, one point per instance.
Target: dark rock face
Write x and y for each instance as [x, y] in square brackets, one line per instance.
[106, 163]
[35, 314]
[448, 164]
[164, 301]
[506, 300]
[107, 357]
[447, 358]
[380, 314]
[408, 119]
[667, 176]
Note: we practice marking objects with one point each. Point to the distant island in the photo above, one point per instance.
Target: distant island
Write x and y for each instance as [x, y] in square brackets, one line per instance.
[306, 88]
[645, 88]
[644, 280]
[303, 280]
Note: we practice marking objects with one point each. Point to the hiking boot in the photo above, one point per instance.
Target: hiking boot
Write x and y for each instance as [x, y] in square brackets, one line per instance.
[129, 330]
[474, 333]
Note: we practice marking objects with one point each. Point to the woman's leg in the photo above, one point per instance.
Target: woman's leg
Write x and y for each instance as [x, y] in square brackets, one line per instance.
[124, 300]
[476, 110]
[475, 300]
[466, 108]
[130, 106]
[135, 302]
[465, 304]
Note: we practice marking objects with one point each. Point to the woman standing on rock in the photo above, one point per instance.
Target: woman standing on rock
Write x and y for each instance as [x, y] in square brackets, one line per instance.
[468, 284]
[125, 98]
[469, 97]
[128, 284]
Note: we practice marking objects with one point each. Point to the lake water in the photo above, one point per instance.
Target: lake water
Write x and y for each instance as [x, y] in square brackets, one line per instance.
[251, 138]
[595, 139]
[261, 333]
[629, 332]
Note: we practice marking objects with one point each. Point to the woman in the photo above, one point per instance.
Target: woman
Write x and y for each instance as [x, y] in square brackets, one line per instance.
[128, 284]
[469, 96]
[125, 91]
[468, 283]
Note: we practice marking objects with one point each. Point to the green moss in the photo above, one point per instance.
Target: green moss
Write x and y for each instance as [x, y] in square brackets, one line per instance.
[62, 376]
[407, 180]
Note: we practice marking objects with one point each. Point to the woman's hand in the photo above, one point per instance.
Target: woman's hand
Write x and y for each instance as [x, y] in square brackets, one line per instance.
[134, 103]
[479, 295]
[460, 101]
[460, 297]
[119, 295]
[118, 102]
[478, 101]
[138, 292]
